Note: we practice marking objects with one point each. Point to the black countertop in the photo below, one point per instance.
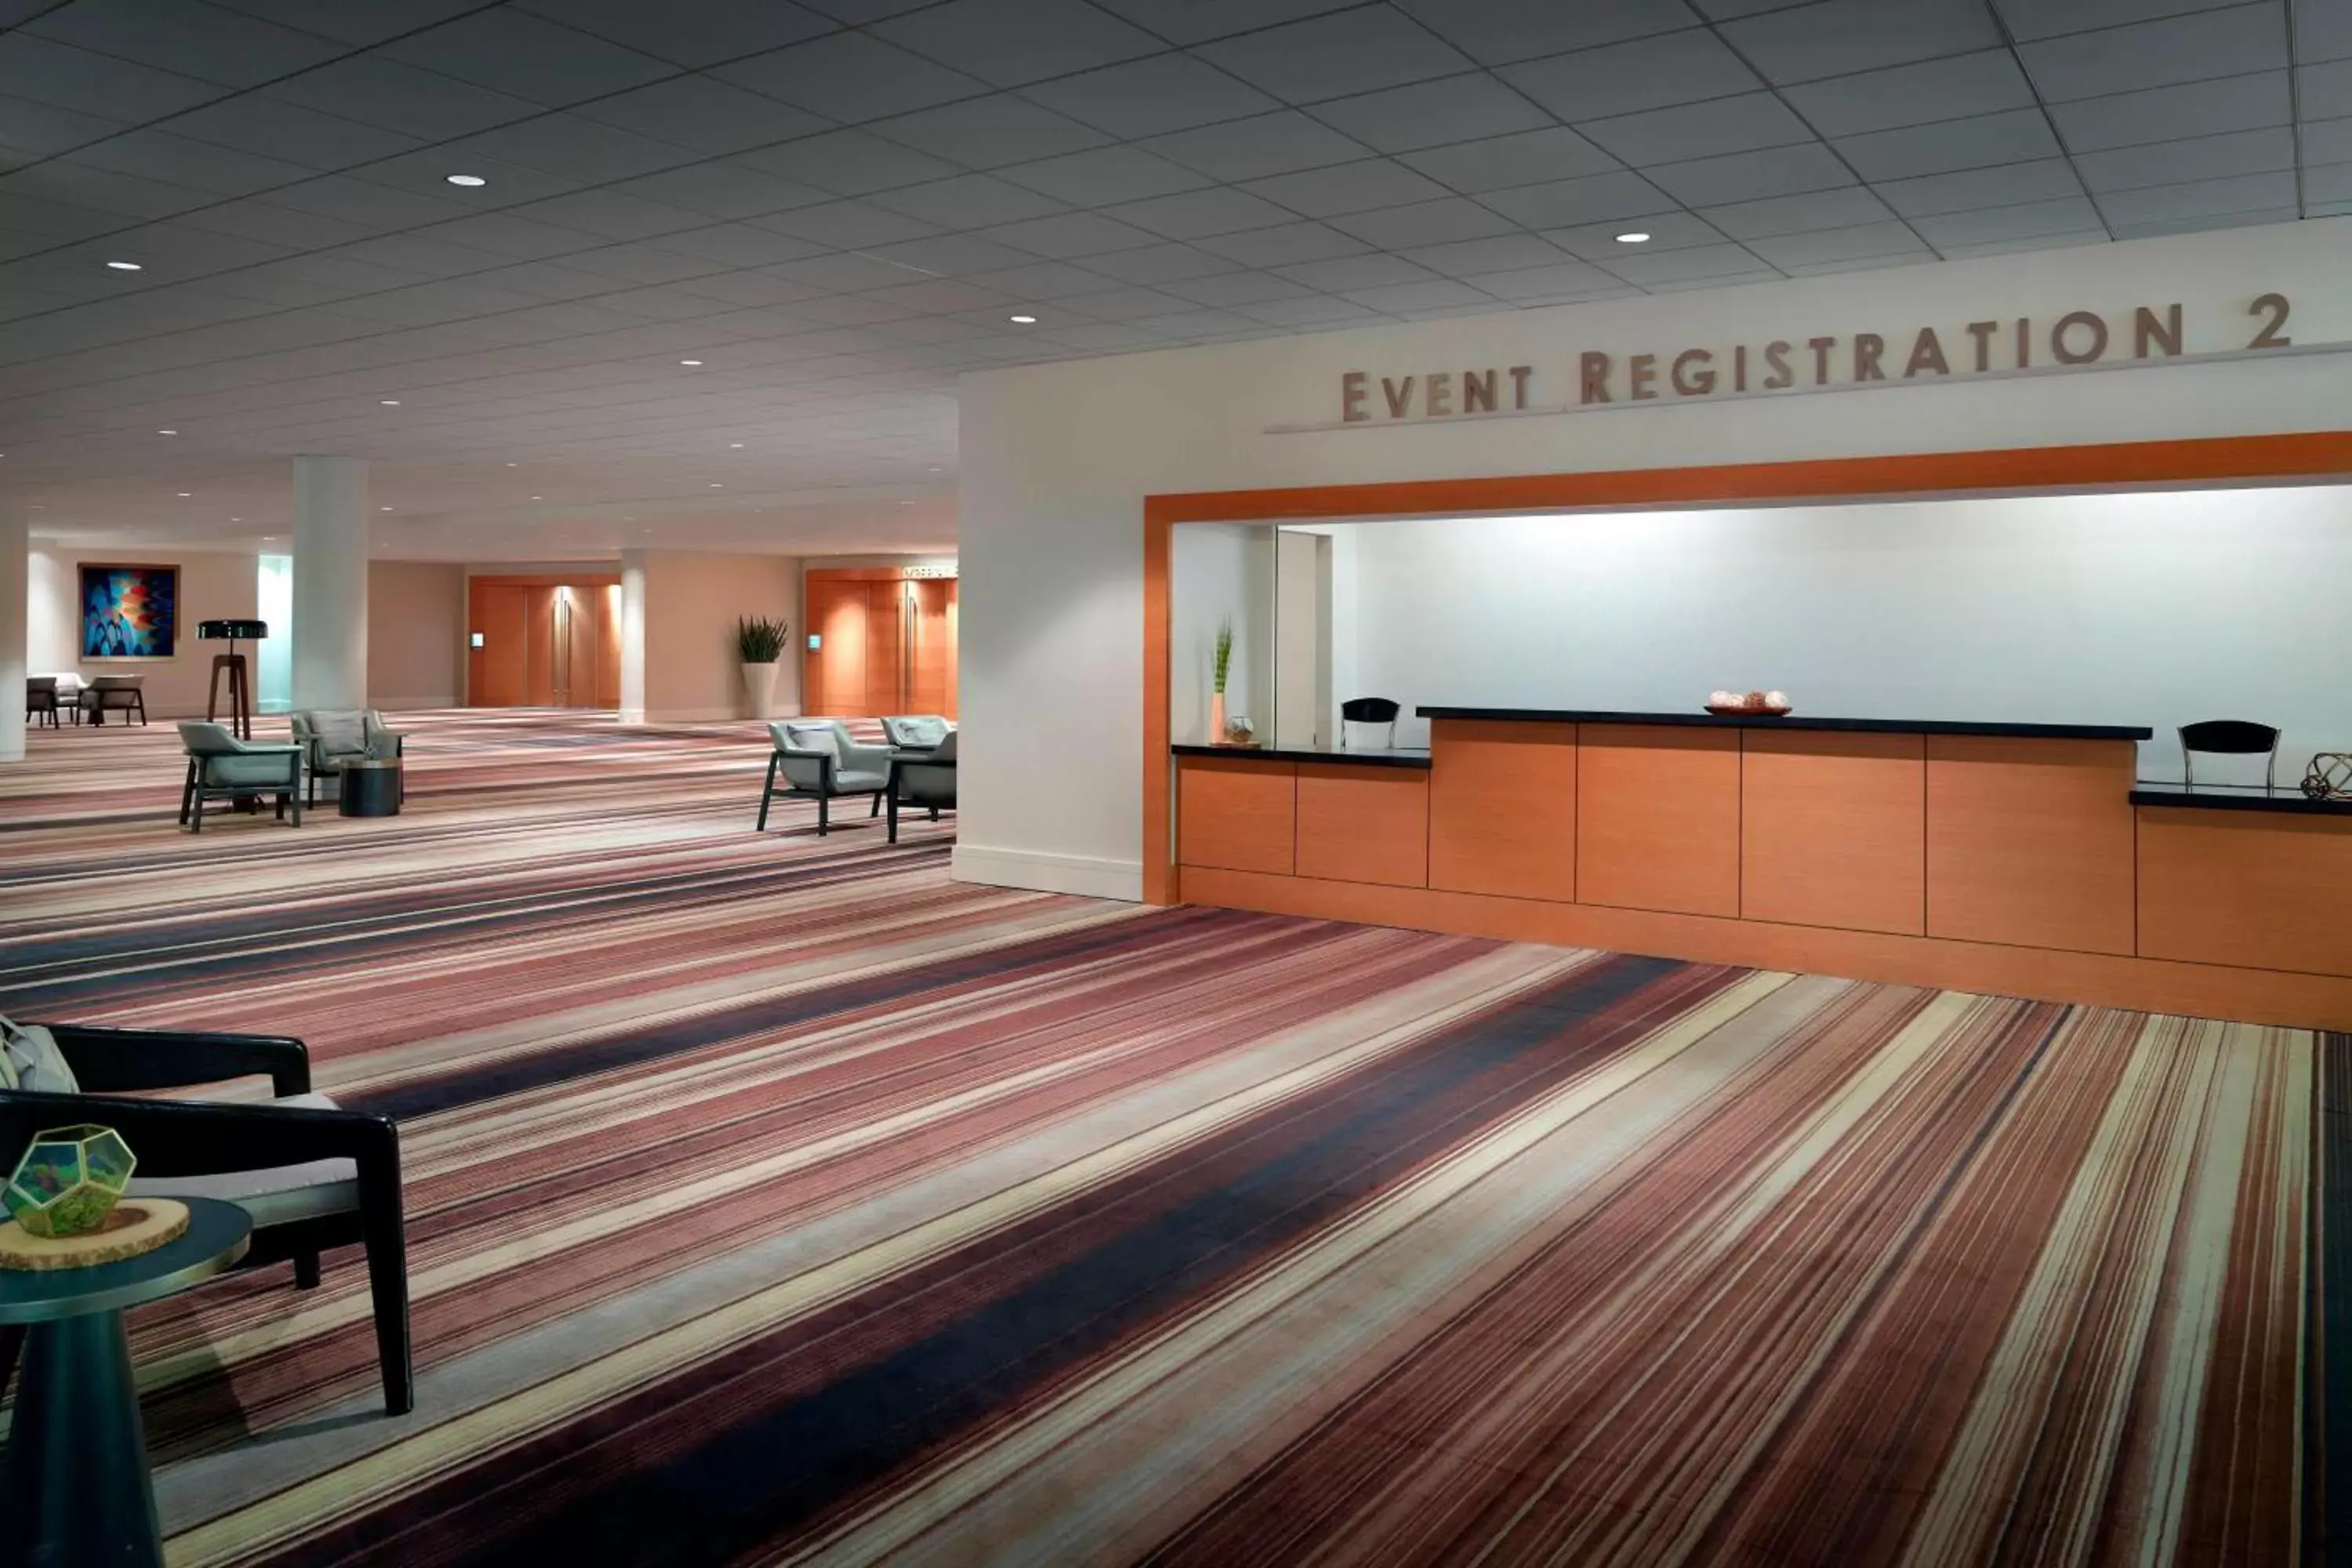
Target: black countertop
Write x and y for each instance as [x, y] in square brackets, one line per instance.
[1369, 756]
[1800, 721]
[2239, 798]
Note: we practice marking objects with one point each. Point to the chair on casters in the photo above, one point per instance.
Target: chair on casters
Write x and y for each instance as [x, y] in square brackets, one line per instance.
[1367, 711]
[222, 767]
[928, 782]
[41, 699]
[2229, 738]
[311, 1174]
[820, 761]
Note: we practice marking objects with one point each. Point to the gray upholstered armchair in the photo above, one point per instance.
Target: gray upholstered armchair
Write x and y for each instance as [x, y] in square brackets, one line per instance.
[926, 781]
[222, 767]
[329, 737]
[917, 731]
[819, 760]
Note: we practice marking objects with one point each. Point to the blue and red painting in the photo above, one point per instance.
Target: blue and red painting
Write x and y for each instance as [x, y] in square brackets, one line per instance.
[130, 612]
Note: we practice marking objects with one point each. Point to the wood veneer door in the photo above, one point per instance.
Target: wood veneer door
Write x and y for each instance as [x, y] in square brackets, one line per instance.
[1363, 824]
[1502, 808]
[1833, 829]
[1236, 816]
[886, 648]
[607, 603]
[2260, 889]
[931, 639]
[835, 669]
[1657, 818]
[496, 674]
[2030, 842]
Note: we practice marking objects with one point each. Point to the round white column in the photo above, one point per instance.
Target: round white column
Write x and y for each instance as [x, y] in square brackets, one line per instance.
[331, 583]
[632, 636]
[15, 586]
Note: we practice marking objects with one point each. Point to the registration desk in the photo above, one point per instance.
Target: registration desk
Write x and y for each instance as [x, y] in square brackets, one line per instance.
[2016, 859]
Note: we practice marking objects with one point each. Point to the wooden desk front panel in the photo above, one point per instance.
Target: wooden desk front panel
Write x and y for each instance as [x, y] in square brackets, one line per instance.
[2254, 888]
[1833, 830]
[1363, 825]
[1236, 816]
[1657, 818]
[1502, 808]
[2030, 842]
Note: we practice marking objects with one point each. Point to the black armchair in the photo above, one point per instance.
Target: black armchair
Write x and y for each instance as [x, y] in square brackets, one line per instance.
[311, 1174]
[927, 781]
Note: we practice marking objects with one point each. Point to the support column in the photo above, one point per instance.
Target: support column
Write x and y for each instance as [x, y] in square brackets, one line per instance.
[331, 583]
[632, 636]
[15, 586]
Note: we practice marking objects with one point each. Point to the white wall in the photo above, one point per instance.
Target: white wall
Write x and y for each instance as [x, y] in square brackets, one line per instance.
[691, 604]
[1217, 572]
[2151, 609]
[417, 635]
[1057, 461]
[214, 585]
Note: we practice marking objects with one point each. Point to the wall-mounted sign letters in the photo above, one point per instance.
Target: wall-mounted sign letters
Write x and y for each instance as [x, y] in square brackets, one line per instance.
[1839, 361]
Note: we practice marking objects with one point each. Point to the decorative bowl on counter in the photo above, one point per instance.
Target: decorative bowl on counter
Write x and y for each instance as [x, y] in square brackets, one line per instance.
[1753, 705]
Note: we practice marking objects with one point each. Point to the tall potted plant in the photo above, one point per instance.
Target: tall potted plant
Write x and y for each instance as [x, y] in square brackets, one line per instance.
[760, 643]
[1224, 662]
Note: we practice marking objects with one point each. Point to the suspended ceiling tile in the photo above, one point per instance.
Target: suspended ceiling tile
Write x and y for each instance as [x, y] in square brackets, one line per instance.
[1626, 79]
[2020, 136]
[1929, 195]
[2194, 47]
[1667, 231]
[1569, 203]
[1347, 187]
[1076, 235]
[382, 91]
[2195, 158]
[1495, 31]
[849, 163]
[1499, 163]
[1103, 175]
[2026, 220]
[703, 113]
[968, 201]
[2199, 198]
[2030, 20]
[1250, 149]
[1151, 97]
[1434, 113]
[1816, 246]
[1499, 253]
[1283, 245]
[688, 32]
[1718, 126]
[984, 133]
[1336, 56]
[2162, 114]
[1425, 223]
[1837, 38]
[850, 76]
[1949, 88]
[1845, 208]
[1013, 42]
[1771, 171]
[1196, 213]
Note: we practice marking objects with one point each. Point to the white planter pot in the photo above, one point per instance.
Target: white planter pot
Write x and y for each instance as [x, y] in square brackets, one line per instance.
[760, 689]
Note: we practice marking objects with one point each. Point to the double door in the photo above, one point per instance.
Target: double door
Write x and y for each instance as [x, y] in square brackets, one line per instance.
[881, 646]
[540, 644]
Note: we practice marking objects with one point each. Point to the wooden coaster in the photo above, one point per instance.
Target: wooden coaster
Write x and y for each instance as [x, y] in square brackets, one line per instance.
[136, 1225]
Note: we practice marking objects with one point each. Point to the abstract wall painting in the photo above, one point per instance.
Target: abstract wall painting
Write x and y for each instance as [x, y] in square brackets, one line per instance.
[130, 612]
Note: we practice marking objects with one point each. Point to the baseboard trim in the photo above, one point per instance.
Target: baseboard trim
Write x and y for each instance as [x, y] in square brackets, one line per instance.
[1088, 875]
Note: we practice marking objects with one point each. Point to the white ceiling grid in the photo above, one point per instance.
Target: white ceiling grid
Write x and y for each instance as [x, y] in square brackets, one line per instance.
[836, 205]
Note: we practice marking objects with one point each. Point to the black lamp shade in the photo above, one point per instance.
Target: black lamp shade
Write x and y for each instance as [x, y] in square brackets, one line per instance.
[217, 631]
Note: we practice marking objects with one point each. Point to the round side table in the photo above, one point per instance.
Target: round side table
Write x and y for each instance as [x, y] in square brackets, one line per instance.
[74, 1487]
[369, 787]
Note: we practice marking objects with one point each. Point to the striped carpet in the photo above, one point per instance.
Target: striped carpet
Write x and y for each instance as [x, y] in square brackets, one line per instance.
[774, 1199]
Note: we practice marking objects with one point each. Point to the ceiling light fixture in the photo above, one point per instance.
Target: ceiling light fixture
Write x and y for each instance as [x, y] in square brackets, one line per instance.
[689, 362]
[383, 508]
[167, 432]
[469, 180]
[186, 494]
[389, 402]
[1022, 320]
[1634, 237]
[716, 486]
[127, 266]
[538, 498]
[735, 446]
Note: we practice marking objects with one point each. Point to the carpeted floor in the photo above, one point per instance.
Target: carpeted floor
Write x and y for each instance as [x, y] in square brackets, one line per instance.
[776, 1199]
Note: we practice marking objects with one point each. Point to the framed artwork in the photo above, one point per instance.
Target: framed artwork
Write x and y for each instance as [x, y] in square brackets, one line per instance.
[130, 612]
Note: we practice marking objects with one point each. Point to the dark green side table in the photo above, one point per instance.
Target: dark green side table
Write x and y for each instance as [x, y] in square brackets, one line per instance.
[74, 1492]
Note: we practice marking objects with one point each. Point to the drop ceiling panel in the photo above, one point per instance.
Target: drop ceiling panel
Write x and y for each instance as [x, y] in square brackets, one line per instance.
[2206, 44]
[1009, 43]
[984, 133]
[1337, 55]
[1626, 79]
[1721, 125]
[1151, 97]
[1259, 146]
[1839, 38]
[688, 32]
[1434, 113]
[1982, 83]
[1499, 162]
[850, 76]
[1103, 175]
[2020, 136]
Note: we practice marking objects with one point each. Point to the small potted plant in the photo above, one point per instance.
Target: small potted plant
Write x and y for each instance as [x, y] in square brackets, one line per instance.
[758, 644]
[1223, 664]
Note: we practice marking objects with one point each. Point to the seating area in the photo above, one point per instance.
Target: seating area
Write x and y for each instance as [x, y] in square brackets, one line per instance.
[53, 699]
[820, 760]
[333, 739]
[222, 767]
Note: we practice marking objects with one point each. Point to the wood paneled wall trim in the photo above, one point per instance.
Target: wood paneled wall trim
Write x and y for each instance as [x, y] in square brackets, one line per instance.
[506, 580]
[2163, 985]
[2215, 460]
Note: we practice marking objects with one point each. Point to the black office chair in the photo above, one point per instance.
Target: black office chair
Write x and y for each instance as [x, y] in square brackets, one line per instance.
[1367, 710]
[2229, 738]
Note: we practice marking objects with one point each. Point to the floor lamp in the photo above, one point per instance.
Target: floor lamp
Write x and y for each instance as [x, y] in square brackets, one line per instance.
[233, 665]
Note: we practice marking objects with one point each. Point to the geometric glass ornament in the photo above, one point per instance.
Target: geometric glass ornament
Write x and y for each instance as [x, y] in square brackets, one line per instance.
[69, 1180]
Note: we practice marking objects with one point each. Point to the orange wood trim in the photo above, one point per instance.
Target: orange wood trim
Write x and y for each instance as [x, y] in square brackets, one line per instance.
[1363, 825]
[544, 582]
[2023, 467]
[1833, 829]
[2244, 887]
[874, 574]
[2197, 990]
[1242, 816]
[1502, 808]
[2030, 841]
[1657, 817]
[1160, 886]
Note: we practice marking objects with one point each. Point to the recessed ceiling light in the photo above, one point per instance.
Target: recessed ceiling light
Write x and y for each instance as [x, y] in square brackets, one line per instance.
[383, 508]
[538, 498]
[689, 362]
[186, 494]
[1022, 320]
[736, 446]
[716, 486]
[1634, 237]
[167, 432]
[468, 180]
[127, 266]
[389, 402]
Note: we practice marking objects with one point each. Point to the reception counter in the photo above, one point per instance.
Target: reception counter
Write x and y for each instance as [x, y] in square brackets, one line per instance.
[2017, 859]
